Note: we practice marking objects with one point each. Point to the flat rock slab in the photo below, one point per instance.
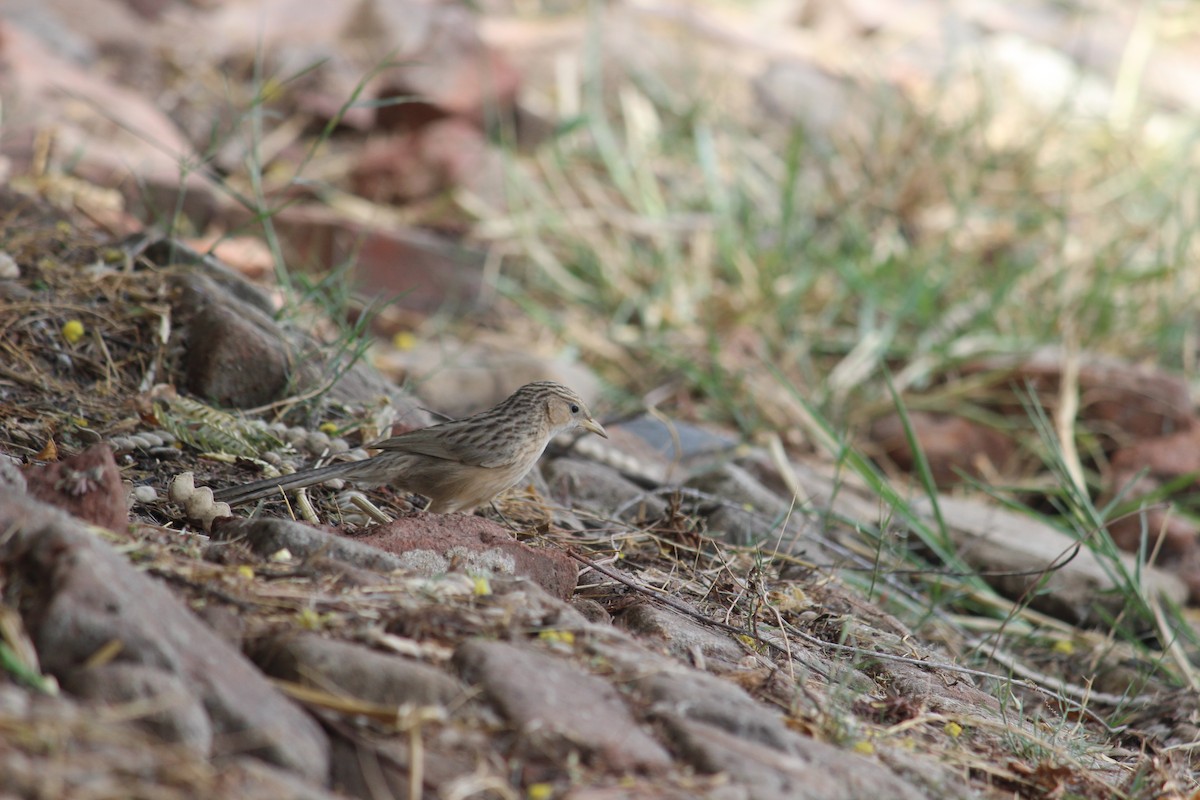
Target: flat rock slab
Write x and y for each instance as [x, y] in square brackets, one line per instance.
[267, 536]
[600, 489]
[559, 709]
[812, 771]
[71, 752]
[356, 671]
[683, 638]
[1014, 547]
[1017, 550]
[80, 596]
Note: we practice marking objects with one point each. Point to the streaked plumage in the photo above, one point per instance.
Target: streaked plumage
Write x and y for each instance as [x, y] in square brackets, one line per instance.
[459, 464]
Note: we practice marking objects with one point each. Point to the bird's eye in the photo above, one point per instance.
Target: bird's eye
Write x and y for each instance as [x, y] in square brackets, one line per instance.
[574, 408]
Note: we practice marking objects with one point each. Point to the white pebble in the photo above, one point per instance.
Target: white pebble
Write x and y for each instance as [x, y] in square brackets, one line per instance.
[145, 494]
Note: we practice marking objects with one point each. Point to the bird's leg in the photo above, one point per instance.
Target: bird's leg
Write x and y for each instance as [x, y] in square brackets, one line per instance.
[508, 523]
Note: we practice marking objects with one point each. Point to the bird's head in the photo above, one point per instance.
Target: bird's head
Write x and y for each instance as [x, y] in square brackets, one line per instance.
[564, 409]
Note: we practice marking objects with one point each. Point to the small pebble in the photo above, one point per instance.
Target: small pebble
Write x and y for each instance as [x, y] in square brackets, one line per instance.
[8, 267]
[145, 494]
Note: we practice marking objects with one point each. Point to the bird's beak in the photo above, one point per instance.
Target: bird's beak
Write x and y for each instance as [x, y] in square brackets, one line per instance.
[590, 424]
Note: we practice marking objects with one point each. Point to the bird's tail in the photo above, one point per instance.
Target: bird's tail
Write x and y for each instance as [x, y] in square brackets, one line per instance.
[268, 487]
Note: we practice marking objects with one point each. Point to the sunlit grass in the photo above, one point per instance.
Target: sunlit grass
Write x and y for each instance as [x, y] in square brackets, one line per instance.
[791, 281]
[911, 251]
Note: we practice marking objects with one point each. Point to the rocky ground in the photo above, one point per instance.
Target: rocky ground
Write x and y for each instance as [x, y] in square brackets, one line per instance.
[609, 631]
[671, 613]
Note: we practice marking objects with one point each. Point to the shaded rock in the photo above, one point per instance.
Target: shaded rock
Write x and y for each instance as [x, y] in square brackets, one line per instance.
[751, 513]
[79, 596]
[1157, 528]
[248, 779]
[173, 714]
[557, 708]
[432, 544]
[355, 671]
[685, 639]
[11, 477]
[704, 698]
[370, 767]
[234, 354]
[742, 527]
[115, 758]
[641, 462]
[344, 573]
[447, 65]
[224, 622]
[101, 126]
[811, 769]
[87, 486]
[601, 490]
[165, 252]
[591, 610]
[685, 443]
[736, 485]
[631, 789]
[434, 52]
[1142, 468]
[934, 690]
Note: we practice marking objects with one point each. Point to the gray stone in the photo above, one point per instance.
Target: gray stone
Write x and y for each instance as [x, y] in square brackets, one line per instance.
[1016, 553]
[736, 485]
[249, 779]
[680, 441]
[558, 708]
[356, 671]
[683, 638]
[80, 596]
[601, 490]
[173, 713]
[812, 770]
[704, 698]
[237, 355]
[752, 514]
[234, 353]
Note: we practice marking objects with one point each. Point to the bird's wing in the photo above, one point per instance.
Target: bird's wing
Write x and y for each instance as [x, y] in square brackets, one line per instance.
[434, 442]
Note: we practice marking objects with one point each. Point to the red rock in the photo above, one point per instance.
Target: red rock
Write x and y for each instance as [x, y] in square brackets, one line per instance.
[443, 155]
[450, 67]
[1125, 398]
[1139, 470]
[101, 126]
[420, 270]
[1133, 531]
[87, 486]
[476, 543]
[953, 446]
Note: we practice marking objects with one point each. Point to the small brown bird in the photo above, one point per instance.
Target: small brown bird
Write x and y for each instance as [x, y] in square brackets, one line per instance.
[459, 464]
